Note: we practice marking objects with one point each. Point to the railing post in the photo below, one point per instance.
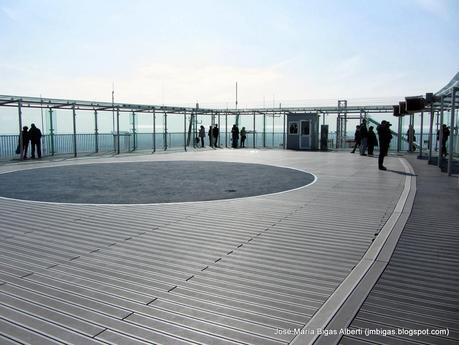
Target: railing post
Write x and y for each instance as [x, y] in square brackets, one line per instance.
[51, 130]
[21, 143]
[165, 131]
[74, 132]
[154, 130]
[432, 115]
[184, 130]
[422, 133]
[134, 134]
[118, 130]
[283, 134]
[451, 136]
[96, 132]
[226, 129]
[254, 130]
[264, 130]
[219, 131]
[440, 132]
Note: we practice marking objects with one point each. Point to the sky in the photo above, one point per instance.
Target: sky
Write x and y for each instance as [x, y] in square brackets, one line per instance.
[182, 52]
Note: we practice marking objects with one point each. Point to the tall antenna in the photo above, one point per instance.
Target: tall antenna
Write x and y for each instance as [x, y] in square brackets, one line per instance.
[236, 95]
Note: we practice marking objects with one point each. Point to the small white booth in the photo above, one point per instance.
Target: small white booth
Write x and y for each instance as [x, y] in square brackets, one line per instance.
[303, 131]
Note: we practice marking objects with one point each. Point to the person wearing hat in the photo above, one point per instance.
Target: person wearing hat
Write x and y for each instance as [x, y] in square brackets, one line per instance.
[385, 137]
[24, 139]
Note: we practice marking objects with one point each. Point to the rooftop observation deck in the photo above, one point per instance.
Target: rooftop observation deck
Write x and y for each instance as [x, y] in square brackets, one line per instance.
[270, 266]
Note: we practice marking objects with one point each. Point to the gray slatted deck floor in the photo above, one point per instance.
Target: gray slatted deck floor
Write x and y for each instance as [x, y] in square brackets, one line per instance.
[419, 288]
[219, 272]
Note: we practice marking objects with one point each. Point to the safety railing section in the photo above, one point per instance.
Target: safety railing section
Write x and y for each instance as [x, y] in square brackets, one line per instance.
[63, 144]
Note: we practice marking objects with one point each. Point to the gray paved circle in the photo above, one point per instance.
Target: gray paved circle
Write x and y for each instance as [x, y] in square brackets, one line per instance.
[149, 182]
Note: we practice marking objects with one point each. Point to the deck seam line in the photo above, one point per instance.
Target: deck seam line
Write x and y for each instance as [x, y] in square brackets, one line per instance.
[330, 308]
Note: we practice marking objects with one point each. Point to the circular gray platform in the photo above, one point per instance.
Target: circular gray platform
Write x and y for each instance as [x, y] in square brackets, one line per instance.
[149, 182]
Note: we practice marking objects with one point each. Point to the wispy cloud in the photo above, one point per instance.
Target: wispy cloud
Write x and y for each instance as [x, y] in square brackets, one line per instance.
[437, 8]
[10, 13]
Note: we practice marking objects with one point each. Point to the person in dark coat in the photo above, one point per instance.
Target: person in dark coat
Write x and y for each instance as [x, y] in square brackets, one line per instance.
[243, 136]
[24, 139]
[444, 138]
[363, 138]
[385, 137]
[209, 134]
[202, 135]
[372, 140]
[35, 139]
[234, 136]
[356, 138]
[215, 133]
[411, 138]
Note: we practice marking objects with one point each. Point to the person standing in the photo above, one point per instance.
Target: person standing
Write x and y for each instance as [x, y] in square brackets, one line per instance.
[411, 138]
[444, 138]
[363, 138]
[35, 139]
[243, 136]
[202, 135]
[234, 136]
[215, 133]
[384, 141]
[372, 140]
[356, 138]
[209, 134]
[23, 142]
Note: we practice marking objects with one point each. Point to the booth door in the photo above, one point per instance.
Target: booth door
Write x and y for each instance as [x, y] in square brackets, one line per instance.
[305, 135]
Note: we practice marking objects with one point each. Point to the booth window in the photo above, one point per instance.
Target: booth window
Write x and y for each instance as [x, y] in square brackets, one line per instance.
[305, 127]
[293, 128]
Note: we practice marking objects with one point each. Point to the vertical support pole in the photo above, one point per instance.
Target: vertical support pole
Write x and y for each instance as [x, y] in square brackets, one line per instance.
[219, 131]
[51, 130]
[226, 129]
[165, 132]
[184, 131]
[264, 130]
[274, 116]
[421, 134]
[96, 132]
[440, 136]
[21, 139]
[399, 134]
[254, 131]
[154, 130]
[432, 115]
[410, 134]
[338, 137]
[118, 130]
[436, 130]
[451, 136]
[134, 133]
[283, 134]
[74, 132]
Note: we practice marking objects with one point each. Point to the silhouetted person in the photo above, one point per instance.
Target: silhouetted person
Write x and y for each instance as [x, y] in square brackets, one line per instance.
[372, 140]
[356, 138]
[24, 142]
[411, 138]
[234, 136]
[215, 133]
[444, 138]
[202, 135]
[363, 137]
[385, 137]
[243, 136]
[209, 134]
[35, 139]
